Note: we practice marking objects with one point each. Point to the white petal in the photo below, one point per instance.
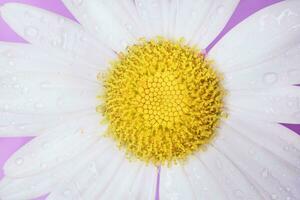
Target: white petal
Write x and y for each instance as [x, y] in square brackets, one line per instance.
[56, 35]
[42, 183]
[278, 71]
[204, 184]
[127, 182]
[229, 177]
[273, 177]
[51, 93]
[107, 20]
[264, 35]
[25, 188]
[272, 136]
[34, 82]
[200, 21]
[14, 124]
[20, 57]
[56, 146]
[278, 104]
[153, 15]
[174, 184]
[109, 176]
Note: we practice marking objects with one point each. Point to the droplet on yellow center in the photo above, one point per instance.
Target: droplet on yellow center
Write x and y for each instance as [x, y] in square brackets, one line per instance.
[159, 103]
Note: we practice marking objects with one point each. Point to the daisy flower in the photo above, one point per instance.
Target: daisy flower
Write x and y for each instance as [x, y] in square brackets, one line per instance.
[127, 97]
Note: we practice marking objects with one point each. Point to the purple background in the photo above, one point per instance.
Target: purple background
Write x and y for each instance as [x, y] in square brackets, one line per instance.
[9, 145]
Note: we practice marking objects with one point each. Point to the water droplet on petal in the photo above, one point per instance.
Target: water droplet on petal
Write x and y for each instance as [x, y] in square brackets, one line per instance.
[219, 164]
[39, 105]
[270, 78]
[128, 27]
[67, 193]
[31, 32]
[11, 63]
[265, 173]
[43, 166]
[194, 13]
[273, 196]
[220, 9]
[19, 161]
[238, 193]
[45, 84]
[77, 2]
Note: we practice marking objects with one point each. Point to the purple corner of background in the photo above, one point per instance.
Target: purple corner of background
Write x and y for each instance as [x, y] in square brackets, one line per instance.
[9, 145]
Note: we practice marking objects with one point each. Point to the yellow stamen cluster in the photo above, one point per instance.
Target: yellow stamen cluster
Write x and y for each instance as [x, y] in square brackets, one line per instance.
[163, 101]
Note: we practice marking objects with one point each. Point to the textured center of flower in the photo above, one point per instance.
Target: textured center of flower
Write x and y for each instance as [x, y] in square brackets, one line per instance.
[163, 101]
[160, 100]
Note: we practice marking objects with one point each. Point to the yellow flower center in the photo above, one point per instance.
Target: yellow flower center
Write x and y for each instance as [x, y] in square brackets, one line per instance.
[163, 101]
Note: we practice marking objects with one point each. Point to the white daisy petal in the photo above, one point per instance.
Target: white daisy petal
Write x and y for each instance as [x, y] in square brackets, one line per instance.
[25, 188]
[280, 71]
[273, 177]
[41, 93]
[13, 124]
[56, 35]
[264, 35]
[70, 187]
[194, 175]
[277, 104]
[19, 57]
[233, 181]
[152, 15]
[128, 186]
[174, 184]
[274, 137]
[57, 145]
[107, 20]
[109, 176]
[33, 186]
[200, 21]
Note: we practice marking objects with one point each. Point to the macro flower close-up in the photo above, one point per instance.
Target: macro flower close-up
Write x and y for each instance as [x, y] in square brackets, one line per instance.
[151, 100]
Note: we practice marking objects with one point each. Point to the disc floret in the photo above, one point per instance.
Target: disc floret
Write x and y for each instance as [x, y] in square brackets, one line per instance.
[163, 101]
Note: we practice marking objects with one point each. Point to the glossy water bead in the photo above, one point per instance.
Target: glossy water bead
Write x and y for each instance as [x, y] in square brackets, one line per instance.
[162, 100]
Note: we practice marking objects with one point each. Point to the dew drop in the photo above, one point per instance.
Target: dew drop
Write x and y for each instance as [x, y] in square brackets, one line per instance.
[251, 151]
[77, 2]
[21, 127]
[33, 187]
[219, 164]
[154, 4]
[286, 148]
[270, 78]
[45, 145]
[11, 63]
[6, 107]
[25, 90]
[273, 196]
[124, 43]
[19, 161]
[43, 166]
[39, 105]
[238, 193]
[194, 13]
[31, 32]
[45, 84]
[220, 9]
[14, 78]
[265, 173]
[128, 27]
[17, 86]
[61, 20]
